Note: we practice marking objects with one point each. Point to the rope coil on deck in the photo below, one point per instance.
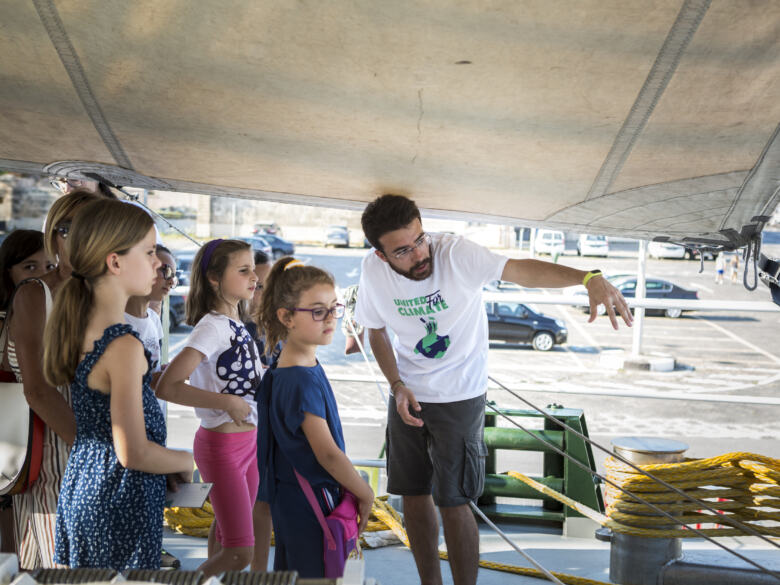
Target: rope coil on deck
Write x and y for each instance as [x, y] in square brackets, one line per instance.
[196, 522]
[744, 486]
[741, 486]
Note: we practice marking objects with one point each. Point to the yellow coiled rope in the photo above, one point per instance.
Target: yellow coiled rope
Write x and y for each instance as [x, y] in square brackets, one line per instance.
[196, 522]
[743, 486]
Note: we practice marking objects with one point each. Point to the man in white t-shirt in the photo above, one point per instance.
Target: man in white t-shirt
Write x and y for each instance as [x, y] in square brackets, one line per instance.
[427, 289]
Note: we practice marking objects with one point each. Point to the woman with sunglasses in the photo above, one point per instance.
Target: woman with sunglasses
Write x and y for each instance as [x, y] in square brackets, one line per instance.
[35, 510]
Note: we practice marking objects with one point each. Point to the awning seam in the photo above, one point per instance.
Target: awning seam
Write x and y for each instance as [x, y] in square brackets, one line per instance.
[52, 22]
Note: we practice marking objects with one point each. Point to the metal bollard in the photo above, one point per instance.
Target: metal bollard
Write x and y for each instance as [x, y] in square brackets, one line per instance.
[635, 560]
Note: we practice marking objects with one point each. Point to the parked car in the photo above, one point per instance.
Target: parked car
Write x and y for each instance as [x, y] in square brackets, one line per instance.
[178, 301]
[279, 246]
[504, 286]
[665, 250]
[669, 250]
[259, 244]
[267, 227]
[184, 266]
[549, 242]
[693, 254]
[519, 323]
[337, 235]
[588, 245]
[655, 288]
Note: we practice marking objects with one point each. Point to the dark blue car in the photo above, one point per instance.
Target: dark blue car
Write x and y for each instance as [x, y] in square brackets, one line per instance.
[279, 246]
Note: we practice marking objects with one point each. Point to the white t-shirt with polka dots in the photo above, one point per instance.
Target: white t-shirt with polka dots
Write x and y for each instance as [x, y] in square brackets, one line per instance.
[231, 365]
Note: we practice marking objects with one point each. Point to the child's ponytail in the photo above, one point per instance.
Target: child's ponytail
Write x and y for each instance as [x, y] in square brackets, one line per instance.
[288, 279]
[65, 330]
[100, 228]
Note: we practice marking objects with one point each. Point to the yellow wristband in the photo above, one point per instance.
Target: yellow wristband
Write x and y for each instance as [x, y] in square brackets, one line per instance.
[590, 275]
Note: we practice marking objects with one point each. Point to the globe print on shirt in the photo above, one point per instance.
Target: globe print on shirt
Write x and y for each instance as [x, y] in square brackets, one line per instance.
[432, 345]
[236, 365]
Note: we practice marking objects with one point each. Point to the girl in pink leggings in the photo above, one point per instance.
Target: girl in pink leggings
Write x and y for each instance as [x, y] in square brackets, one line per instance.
[224, 368]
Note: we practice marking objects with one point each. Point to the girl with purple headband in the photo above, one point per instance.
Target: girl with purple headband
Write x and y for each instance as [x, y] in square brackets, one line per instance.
[223, 366]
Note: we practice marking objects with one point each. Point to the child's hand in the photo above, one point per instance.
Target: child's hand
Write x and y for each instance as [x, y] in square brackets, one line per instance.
[365, 504]
[238, 409]
[174, 479]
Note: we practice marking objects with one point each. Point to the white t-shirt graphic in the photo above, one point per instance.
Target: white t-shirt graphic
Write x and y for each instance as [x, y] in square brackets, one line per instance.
[150, 331]
[231, 365]
[439, 324]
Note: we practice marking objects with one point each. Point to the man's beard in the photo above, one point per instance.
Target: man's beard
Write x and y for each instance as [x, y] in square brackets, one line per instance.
[410, 274]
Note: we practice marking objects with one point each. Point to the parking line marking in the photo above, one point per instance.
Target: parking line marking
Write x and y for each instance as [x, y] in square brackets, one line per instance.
[581, 330]
[744, 342]
[574, 356]
[624, 391]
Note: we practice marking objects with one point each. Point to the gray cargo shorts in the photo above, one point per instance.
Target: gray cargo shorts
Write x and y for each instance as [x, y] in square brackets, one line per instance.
[445, 457]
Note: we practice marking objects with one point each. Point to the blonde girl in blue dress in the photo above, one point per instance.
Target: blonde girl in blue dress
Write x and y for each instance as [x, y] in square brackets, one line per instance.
[110, 507]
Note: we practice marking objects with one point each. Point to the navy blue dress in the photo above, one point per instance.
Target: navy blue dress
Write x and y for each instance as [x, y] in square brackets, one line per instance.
[108, 516]
[285, 396]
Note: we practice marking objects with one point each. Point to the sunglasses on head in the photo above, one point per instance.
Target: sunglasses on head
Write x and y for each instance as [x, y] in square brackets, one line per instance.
[63, 229]
[63, 184]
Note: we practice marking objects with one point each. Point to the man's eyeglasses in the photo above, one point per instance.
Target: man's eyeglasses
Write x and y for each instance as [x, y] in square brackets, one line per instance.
[168, 272]
[63, 229]
[321, 313]
[423, 240]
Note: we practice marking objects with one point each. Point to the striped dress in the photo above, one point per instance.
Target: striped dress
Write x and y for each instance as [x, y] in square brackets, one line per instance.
[35, 511]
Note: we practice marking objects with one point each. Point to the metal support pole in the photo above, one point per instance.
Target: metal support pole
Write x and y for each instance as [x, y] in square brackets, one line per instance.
[639, 312]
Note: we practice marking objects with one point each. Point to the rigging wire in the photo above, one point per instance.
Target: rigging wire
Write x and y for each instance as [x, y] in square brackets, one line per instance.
[368, 362]
[474, 507]
[628, 492]
[530, 559]
[136, 200]
[736, 523]
[603, 478]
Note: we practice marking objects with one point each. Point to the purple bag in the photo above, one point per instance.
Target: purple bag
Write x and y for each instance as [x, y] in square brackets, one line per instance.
[339, 529]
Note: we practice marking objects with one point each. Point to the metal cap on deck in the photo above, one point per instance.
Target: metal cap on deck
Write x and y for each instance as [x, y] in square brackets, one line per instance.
[641, 450]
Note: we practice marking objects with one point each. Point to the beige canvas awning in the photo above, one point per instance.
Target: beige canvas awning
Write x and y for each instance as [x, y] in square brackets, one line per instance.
[643, 119]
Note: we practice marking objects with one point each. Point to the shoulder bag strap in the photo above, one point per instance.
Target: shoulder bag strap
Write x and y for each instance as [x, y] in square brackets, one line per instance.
[47, 294]
[6, 315]
[315, 506]
[3, 335]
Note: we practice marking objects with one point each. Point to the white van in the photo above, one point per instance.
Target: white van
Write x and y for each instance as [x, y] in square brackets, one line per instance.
[665, 250]
[549, 242]
[589, 245]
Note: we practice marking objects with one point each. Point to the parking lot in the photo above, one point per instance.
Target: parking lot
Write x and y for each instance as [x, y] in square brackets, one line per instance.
[720, 356]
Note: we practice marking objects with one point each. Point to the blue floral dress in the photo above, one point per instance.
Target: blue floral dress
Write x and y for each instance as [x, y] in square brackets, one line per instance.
[108, 516]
